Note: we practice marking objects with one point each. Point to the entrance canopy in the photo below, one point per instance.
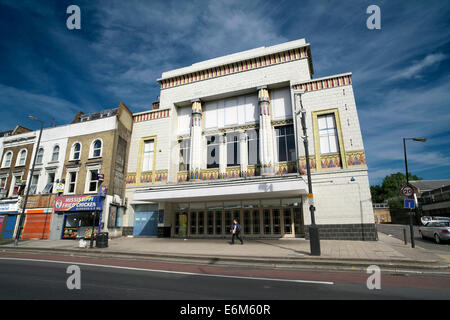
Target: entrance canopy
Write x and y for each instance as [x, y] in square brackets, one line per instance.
[239, 189]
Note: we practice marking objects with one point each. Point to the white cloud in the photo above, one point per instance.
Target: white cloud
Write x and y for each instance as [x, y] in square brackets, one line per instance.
[414, 70]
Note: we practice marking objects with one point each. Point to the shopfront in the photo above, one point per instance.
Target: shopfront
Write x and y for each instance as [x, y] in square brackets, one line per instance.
[80, 215]
[8, 219]
[279, 218]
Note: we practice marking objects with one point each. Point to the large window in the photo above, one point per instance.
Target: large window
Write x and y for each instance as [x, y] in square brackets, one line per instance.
[71, 181]
[22, 158]
[55, 154]
[233, 153]
[34, 183]
[328, 137]
[96, 149]
[92, 180]
[40, 156]
[185, 147]
[213, 158]
[285, 143]
[253, 147]
[149, 152]
[76, 151]
[7, 160]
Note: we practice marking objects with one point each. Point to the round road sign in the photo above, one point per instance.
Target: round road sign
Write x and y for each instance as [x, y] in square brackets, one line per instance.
[407, 191]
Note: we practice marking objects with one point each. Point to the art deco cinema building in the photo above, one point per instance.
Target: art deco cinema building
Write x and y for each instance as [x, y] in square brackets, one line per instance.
[223, 143]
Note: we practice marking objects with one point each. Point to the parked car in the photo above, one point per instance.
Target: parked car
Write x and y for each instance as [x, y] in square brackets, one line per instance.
[427, 219]
[437, 230]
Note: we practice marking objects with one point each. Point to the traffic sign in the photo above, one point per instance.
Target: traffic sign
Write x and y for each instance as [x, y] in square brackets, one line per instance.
[409, 204]
[407, 191]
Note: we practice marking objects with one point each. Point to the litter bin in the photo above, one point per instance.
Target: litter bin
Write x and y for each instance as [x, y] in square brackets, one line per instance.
[102, 240]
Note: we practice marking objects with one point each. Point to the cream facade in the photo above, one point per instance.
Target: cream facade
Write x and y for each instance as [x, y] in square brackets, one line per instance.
[225, 143]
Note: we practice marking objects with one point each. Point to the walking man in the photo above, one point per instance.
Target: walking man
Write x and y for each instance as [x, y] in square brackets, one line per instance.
[236, 230]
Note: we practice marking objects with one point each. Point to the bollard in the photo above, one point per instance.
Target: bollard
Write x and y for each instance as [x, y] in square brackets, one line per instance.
[404, 236]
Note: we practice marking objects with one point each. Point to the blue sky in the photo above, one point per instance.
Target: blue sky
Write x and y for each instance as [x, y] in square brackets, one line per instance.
[401, 73]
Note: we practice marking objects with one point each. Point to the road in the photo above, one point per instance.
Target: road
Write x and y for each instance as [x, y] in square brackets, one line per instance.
[396, 230]
[44, 276]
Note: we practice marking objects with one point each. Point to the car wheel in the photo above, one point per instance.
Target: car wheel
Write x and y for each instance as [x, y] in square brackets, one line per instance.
[437, 239]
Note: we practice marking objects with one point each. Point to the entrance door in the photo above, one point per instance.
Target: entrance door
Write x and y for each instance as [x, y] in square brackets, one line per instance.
[299, 225]
[146, 223]
[9, 226]
[56, 227]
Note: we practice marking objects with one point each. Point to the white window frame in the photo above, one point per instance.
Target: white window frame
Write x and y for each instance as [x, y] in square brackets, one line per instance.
[18, 160]
[35, 185]
[6, 180]
[326, 132]
[14, 182]
[53, 153]
[67, 187]
[92, 150]
[10, 160]
[37, 156]
[88, 178]
[152, 157]
[72, 151]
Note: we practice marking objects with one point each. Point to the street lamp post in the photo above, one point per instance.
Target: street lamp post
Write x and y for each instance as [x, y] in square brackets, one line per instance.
[411, 228]
[30, 177]
[314, 239]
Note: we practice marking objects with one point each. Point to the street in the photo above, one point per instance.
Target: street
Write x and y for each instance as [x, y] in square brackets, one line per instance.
[40, 276]
[396, 231]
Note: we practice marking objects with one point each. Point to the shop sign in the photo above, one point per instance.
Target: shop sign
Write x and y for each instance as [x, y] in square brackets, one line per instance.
[78, 203]
[8, 206]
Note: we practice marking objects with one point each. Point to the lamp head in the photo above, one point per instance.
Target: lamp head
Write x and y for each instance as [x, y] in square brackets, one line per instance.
[420, 139]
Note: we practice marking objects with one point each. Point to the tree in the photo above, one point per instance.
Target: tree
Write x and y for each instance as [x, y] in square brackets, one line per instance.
[389, 190]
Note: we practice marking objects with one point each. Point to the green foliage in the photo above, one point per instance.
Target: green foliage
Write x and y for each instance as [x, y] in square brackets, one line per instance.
[389, 190]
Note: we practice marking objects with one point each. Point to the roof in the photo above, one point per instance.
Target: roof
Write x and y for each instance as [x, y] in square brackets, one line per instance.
[235, 57]
[428, 185]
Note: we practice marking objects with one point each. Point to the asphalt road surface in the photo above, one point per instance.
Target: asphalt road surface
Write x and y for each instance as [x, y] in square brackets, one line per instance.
[396, 230]
[34, 276]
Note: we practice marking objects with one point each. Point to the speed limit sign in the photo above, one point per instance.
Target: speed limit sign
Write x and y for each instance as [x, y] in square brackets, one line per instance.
[407, 191]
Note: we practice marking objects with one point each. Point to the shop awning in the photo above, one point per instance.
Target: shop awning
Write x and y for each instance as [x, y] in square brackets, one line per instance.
[239, 189]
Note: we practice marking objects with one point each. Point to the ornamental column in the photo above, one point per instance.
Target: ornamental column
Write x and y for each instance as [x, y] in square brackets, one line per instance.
[196, 140]
[222, 156]
[243, 151]
[266, 144]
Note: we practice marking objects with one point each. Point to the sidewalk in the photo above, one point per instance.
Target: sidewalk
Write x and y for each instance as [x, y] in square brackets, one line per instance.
[387, 252]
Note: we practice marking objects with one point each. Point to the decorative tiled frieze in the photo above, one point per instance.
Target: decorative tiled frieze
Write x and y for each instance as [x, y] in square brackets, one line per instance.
[330, 161]
[356, 158]
[233, 172]
[287, 167]
[232, 68]
[302, 164]
[146, 177]
[182, 176]
[131, 178]
[320, 84]
[210, 174]
[151, 115]
[161, 176]
[254, 171]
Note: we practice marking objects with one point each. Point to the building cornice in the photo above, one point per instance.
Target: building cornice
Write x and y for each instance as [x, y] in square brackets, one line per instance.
[261, 60]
